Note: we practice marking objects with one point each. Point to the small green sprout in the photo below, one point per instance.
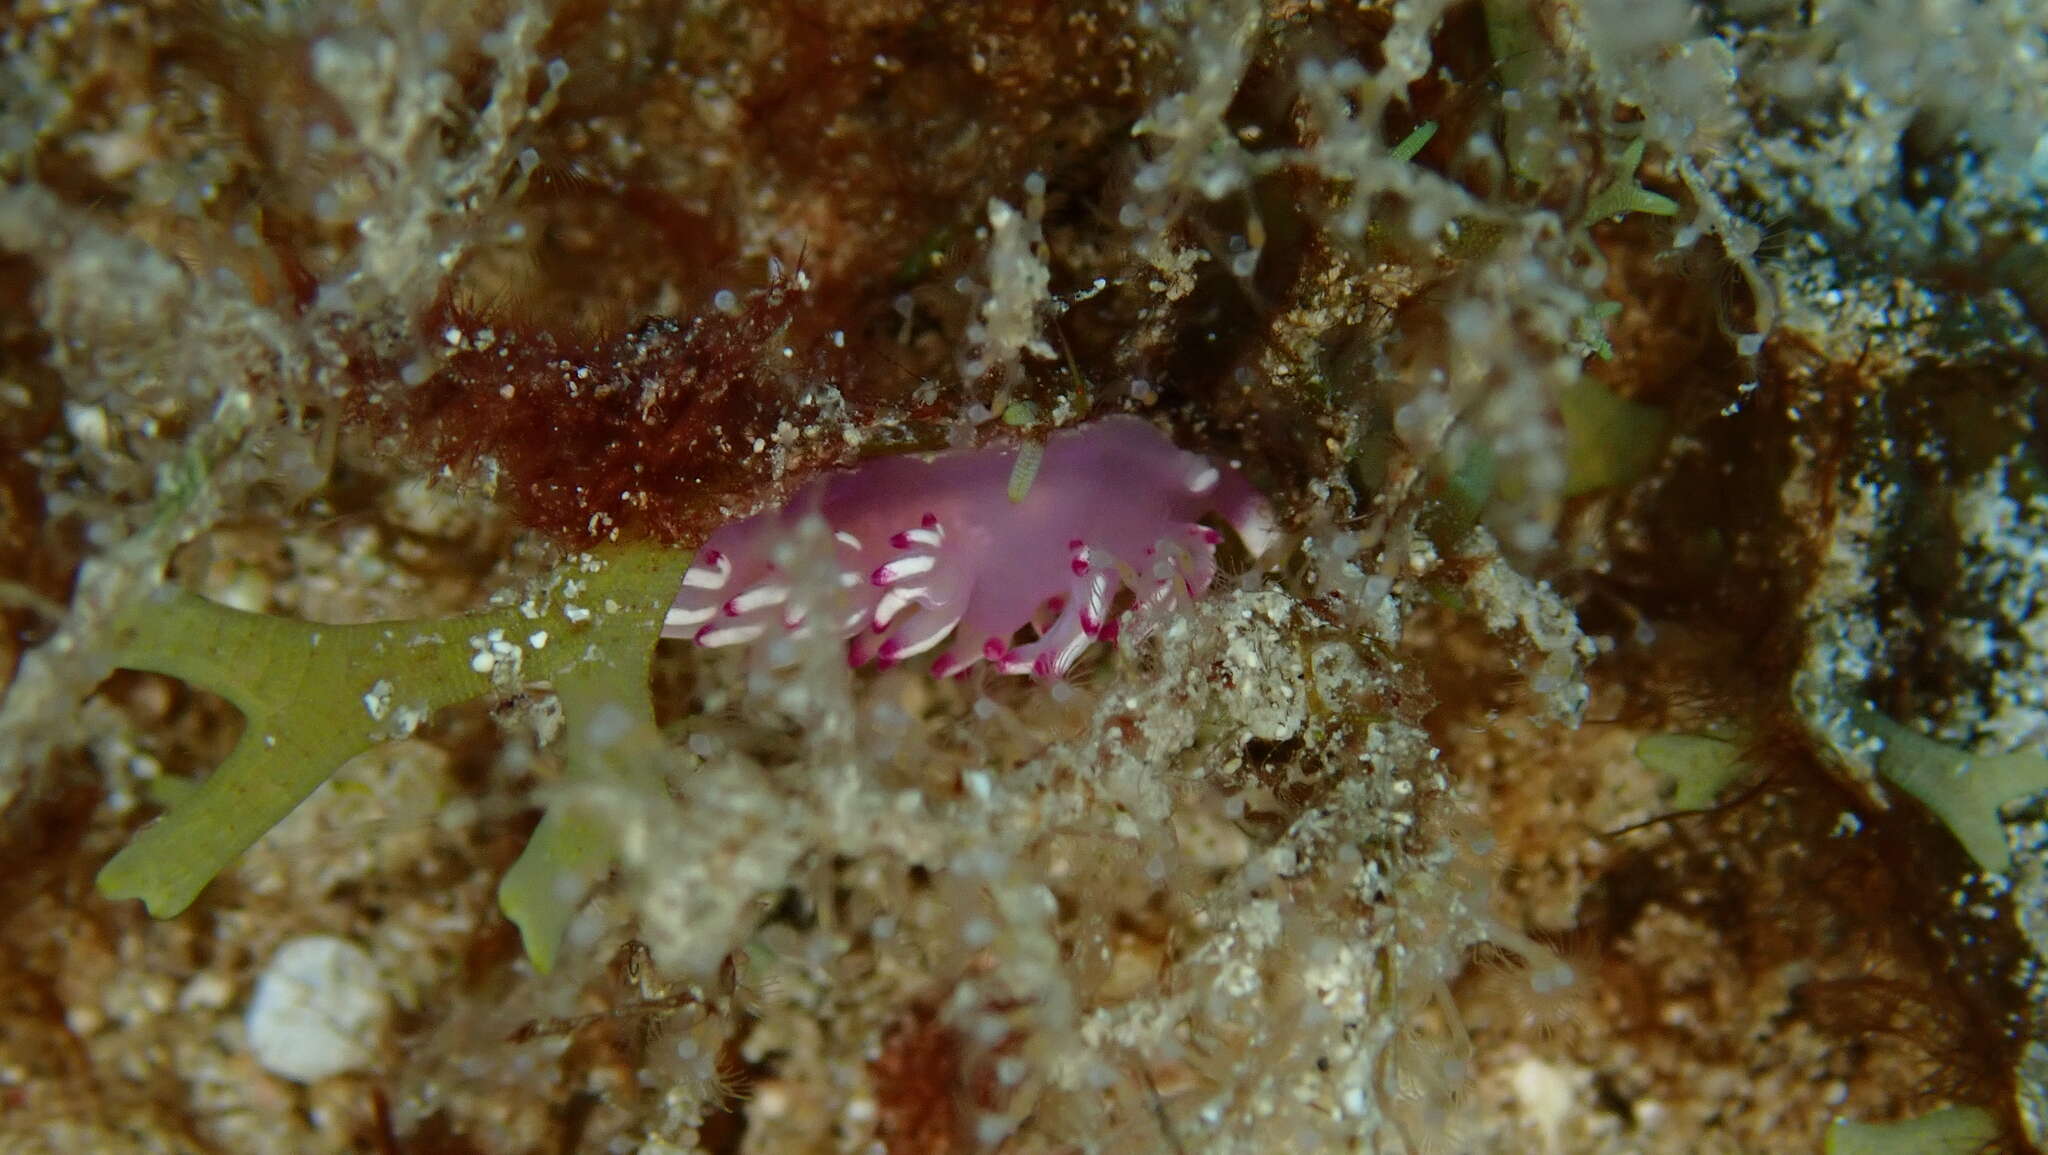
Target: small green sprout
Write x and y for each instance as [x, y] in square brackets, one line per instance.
[1414, 142]
[1018, 414]
[314, 696]
[1593, 329]
[1623, 195]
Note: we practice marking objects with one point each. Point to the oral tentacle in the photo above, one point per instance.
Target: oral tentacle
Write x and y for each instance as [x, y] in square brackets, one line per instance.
[915, 634]
[718, 578]
[956, 662]
[1080, 620]
[730, 632]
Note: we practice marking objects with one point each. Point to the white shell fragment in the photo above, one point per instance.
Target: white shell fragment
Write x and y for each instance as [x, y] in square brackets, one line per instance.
[318, 1008]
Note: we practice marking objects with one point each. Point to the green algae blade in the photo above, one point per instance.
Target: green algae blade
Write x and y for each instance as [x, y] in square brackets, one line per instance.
[314, 696]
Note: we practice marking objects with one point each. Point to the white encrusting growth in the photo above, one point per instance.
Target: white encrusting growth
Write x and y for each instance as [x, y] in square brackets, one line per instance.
[317, 1010]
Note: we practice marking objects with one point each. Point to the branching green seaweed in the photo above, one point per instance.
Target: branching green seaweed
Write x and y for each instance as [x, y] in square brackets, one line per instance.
[314, 696]
[1967, 792]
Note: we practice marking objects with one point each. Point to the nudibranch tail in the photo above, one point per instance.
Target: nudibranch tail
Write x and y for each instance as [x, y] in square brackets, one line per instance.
[943, 546]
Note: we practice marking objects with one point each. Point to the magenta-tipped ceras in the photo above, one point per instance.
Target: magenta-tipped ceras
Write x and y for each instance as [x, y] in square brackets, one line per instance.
[928, 546]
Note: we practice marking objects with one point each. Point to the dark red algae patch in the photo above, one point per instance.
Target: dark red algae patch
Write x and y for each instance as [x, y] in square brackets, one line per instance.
[662, 432]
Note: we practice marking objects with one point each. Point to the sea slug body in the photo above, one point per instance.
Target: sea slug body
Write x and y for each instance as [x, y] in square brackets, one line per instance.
[929, 547]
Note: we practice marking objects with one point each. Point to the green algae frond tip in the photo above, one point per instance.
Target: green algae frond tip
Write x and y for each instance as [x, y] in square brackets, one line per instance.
[1949, 1131]
[1966, 791]
[1698, 766]
[1610, 441]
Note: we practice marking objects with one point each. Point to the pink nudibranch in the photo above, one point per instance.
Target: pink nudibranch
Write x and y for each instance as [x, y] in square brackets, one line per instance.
[932, 546]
